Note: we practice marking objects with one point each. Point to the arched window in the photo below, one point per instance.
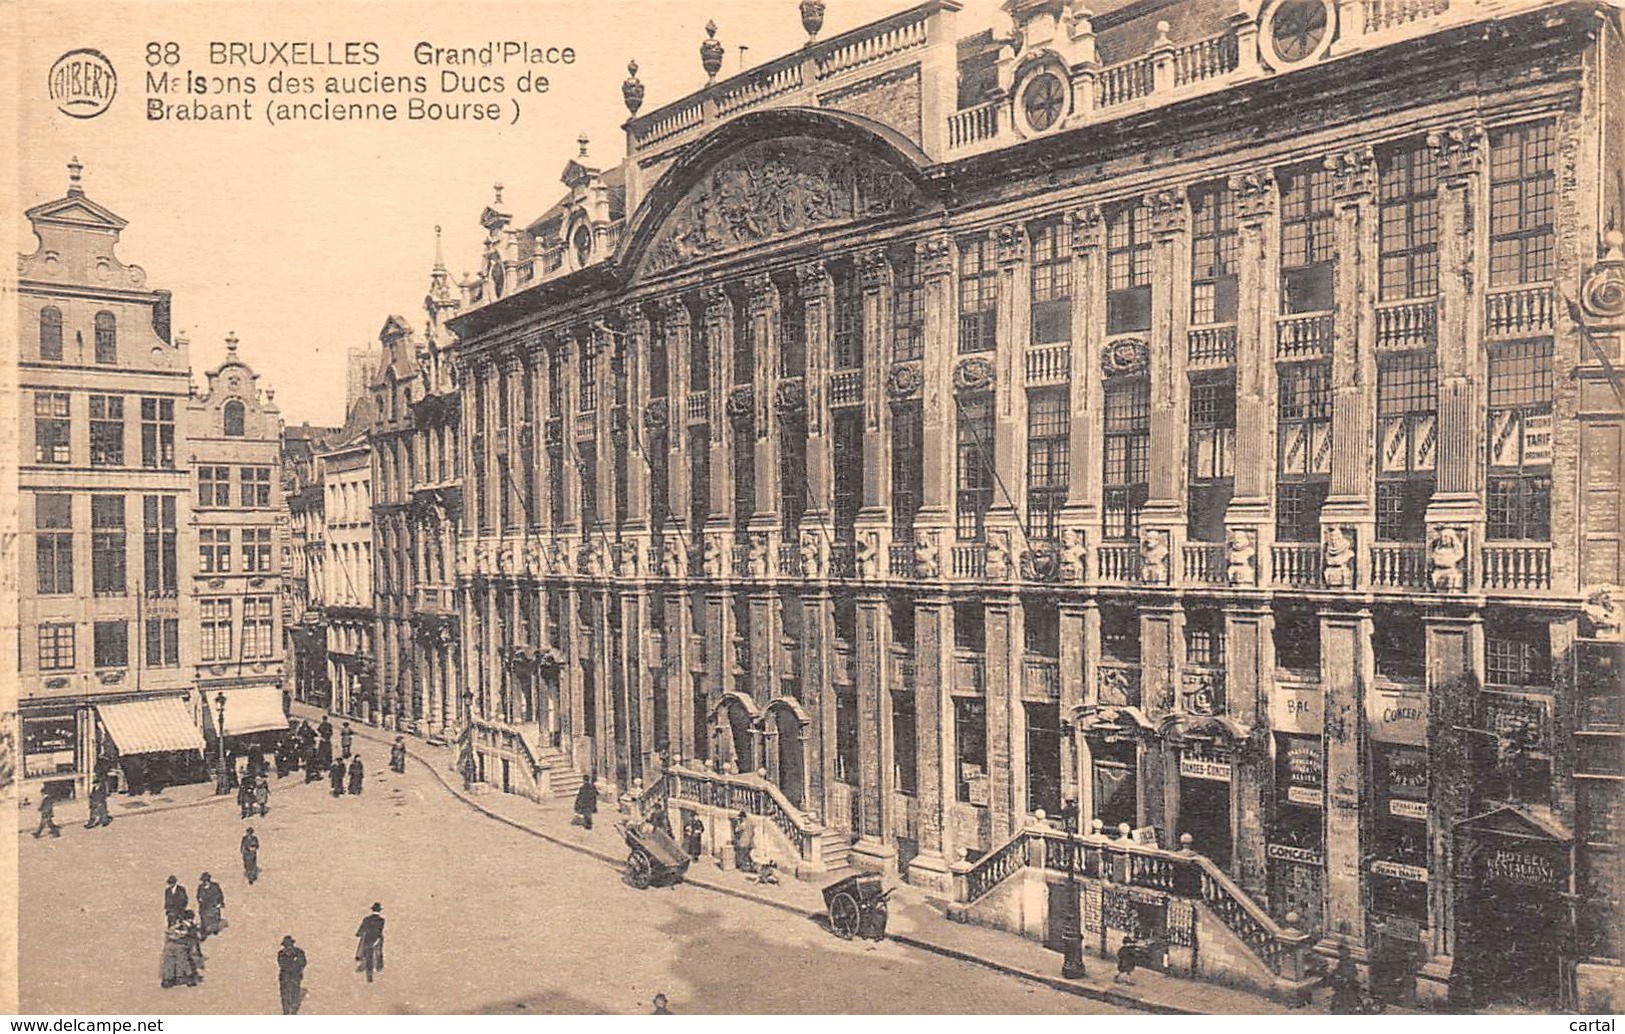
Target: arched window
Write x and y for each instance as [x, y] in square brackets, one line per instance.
[106, 338]
[234, 419]
[50, 333]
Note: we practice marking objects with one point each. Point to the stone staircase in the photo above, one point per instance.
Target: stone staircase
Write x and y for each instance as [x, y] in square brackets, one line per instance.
[1211, 928]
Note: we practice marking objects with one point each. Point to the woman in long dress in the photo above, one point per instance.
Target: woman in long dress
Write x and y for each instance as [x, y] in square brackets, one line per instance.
[179, 964]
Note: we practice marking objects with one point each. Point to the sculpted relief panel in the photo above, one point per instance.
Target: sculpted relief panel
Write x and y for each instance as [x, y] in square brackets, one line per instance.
[775, 188]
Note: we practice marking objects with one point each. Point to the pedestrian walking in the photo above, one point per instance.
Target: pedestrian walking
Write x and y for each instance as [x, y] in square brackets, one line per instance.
[325, 730]
[356, 774]
[336, 775]
[211, 904]
[346, 738]
[586, 801]
[309, 761]
[397, 755]
[369, 950]
[175, 899]
[47, 816]
[1128, 958]
[744, 843]
[660, 1006]
[181, 958]
[98, 806]
[693, 837]
[262, 797]
[245, 797]
[290, 976]
[250, 848]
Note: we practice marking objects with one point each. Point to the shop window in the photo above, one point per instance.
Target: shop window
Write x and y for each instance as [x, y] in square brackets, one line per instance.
[970, 750]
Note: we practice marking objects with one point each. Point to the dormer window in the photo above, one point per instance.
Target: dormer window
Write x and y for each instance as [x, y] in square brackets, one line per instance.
[582, 242]
[233, 415]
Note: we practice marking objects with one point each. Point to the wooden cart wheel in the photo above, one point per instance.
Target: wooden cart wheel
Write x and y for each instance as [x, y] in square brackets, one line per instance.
[844, 916]
[639, 870]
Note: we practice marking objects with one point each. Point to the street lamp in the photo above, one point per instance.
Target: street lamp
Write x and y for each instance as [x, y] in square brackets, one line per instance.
[1071, 933]
[222, 781]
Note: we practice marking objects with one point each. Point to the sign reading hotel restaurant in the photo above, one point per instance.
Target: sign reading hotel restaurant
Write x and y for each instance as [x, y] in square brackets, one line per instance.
[1400, 871]
[1408, 809]
[1204, 768]
[1523, 868]
[1397, 716]
[1299, 709]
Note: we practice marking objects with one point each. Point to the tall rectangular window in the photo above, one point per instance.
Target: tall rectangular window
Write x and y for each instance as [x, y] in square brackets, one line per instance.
[107, 545]
[106, 338]
[970, 749]
[744, 479]
[53, 544]
[111, 641]
[978, 294]
[56, 651]
[256, 546]
[256, 487]
[588, 467]
[792, 475]
[659, 357]
[1407, 444]
[213, 486]
[699, 480]
[1127, 466]
[1307, 238]
[1520, 441]
[907, 468]
[973, 496]
[792, 328]
[846, 734]
[163, 643]
[1304, 434]
[846, 331]
[1523, 188]
[1051, 275]
[848, 472]
[53, 428]
[586, 375]
[1215, 246]
[907, 306]
[50, 333]
[905, 744]
[214, 550]
[1128, 269]
[744, 339]
[214, 620]
[158, 434]
[258, 626]
[1049, 461]
[158, 541]
[106, 431]
[1408, 214]
[1212, 457]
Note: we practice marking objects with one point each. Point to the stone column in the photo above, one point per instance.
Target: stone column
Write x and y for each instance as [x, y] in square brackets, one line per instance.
[719, 343]
[934, 263]
[678, 325]
[566, 431]
[679, 687]
[1074, 616]
[1457, 504]
[1006, 721]
[1351, 502]
[1455, 670]
[872, 654]
[933, 724]
[874, 517]
[1346, 669]
[639, 521]
[1008, 450]
[1083, 497]
[816, 288]
[1249, 674]
[765, 619]
[818, 667]
[1252, 508]
[1162, 660]
[1170, 385]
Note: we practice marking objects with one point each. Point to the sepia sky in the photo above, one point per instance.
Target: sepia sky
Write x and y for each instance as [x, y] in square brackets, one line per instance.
[303, 237]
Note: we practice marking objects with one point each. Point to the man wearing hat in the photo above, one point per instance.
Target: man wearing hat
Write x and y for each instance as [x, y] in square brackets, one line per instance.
[369, 949]
[290, 976]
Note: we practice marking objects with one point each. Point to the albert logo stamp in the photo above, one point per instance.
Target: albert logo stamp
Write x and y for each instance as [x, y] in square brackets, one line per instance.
[82, 83]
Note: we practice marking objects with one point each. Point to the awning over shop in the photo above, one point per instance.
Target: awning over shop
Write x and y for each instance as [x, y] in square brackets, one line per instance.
[151, 726]
[254, 709]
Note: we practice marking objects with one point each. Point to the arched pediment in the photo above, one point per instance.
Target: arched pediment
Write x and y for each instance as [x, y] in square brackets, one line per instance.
[771, 175]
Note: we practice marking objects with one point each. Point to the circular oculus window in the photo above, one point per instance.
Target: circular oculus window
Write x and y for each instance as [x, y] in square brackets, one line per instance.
[1299, 30]
[1043, 101]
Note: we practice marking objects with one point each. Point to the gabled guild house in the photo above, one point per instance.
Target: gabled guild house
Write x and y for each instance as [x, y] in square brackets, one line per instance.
[1200, 420]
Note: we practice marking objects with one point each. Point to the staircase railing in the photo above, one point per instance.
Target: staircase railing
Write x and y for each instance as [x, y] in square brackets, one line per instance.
[750, 794]
[1182, 874]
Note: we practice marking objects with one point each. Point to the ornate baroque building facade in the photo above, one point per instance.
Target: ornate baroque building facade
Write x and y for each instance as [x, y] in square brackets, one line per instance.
[1203, 417]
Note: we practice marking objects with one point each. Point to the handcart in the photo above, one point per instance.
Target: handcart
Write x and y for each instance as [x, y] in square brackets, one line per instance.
[857, 908]
[655, 859]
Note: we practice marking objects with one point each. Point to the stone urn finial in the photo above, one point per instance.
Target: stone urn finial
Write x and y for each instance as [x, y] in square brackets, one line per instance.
[711, 53]
[632, 89]
[812, 17]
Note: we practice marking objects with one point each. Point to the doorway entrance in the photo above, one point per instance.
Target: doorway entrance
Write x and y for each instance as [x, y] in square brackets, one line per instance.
[1204, 813]
[1115, 781]
[1512, 919]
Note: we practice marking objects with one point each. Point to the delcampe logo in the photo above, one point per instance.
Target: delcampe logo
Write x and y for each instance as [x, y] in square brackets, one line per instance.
[82, 83]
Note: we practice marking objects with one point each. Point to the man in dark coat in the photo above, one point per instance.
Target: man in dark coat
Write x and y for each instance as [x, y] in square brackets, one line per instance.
[369, 951]
[245, 797]
[693, 837]
[175, 899]
[586, 801]
[336, 774]
[250, 848]
[98, 806]
[346, 738]
[290, 976]
[356, 773]
[47, 816]
[325, 730]
[211, 902]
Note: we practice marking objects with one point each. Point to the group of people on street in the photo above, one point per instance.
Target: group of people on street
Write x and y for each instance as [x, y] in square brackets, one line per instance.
[184, 933]
[253, 794]
[99, 815]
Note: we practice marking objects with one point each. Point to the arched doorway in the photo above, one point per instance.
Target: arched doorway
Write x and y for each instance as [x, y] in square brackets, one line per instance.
[1108, 754]
[548, 668]
[734, 727]
[787, 765]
